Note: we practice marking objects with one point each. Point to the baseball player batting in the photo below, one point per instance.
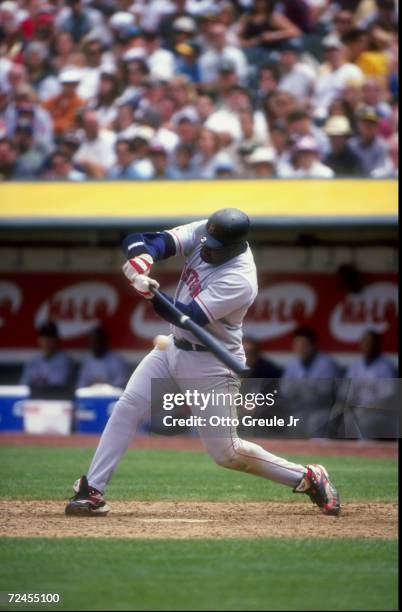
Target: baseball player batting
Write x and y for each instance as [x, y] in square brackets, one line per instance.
[217, 286]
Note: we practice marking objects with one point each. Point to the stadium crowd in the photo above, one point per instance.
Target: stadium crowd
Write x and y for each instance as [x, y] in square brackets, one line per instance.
[183, 89]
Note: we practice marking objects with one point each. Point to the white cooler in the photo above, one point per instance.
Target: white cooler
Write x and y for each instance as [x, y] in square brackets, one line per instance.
[48, 416]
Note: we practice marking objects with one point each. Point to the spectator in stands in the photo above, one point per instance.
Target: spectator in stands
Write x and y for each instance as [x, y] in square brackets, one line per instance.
[173, 22]
[77, 19]
[217, 51]
[95, 62]
[62, 169]
[31, 156]
[340, 107]
[125, 167]
[136, 72]
[300, 124]
[159, 160]
[261, 163]
[8, 158]
[103, 365]
[343, 22]
[264, 29]
[341, 159]
[105, 100]
[305, 162]
[64, 106]
[268, 81]
[23, 107]
[226, 78]
[96, 154]
[11, 43]
[297, 77]
[161, 61]
[208, 156]
[186, 61]
[280, 142]
[238, 69]
[253, 131]
[374, 94]
[390, 167]
[41, 75]
[334, 74]
[52, 368]
[182, 166]
[64, 51]
[356, 41]
[277, 107]
[367, 145]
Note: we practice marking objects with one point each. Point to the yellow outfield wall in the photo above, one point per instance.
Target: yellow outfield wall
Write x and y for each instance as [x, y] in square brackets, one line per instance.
[144, 200]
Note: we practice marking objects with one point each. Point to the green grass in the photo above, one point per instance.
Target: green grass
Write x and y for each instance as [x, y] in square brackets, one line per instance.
[265, 574]
[48, 473]
[230, 574]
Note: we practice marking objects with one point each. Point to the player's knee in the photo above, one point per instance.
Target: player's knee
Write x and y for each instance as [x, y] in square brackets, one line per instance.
[229, 458]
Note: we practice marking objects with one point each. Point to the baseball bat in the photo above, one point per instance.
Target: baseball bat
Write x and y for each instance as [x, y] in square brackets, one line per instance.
[203, 336]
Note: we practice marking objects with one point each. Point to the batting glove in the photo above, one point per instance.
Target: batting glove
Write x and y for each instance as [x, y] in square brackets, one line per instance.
[137, 265]
[145, 286]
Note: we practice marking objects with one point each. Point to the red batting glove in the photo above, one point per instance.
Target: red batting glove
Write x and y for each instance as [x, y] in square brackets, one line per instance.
[141, 264]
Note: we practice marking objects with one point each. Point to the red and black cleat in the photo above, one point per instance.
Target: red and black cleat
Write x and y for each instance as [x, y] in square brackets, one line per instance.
[316, 484]
[87, 501]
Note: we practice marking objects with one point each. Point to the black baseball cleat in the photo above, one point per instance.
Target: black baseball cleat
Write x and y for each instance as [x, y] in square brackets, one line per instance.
[87, 501]
[317, 485]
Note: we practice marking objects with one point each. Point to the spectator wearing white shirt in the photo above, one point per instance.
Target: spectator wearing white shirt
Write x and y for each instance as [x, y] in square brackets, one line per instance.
[334, 74]
[297, 76]
[95, 61]
[226, 121]
[218, 50]
[96, 153]
[161, 61]
[103, 366]
[305, 162]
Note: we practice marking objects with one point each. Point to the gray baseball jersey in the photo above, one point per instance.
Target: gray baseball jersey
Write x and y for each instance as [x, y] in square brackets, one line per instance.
[224, 293]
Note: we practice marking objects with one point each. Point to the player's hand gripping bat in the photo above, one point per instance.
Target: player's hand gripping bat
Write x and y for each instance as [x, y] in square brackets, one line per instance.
[150, 289]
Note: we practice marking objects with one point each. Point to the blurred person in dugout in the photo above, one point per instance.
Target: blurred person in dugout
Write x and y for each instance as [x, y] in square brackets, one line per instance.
[52, 371]
[368, 396]
[308, 385]
[102, 366]
[262, 377]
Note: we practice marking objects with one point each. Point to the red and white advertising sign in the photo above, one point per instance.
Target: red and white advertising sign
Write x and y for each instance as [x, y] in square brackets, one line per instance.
[79, 301]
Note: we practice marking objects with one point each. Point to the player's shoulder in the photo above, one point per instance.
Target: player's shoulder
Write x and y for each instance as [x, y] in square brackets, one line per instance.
[245, 262]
